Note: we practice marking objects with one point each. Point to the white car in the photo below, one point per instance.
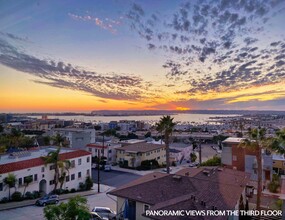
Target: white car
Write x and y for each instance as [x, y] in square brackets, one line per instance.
[108, 167]
[105, 212]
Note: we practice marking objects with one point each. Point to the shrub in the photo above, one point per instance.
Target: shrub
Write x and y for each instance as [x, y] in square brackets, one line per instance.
[149, 164]
[215, 161]
[36, 194]
[4, 200]
[17, 196]
[82, 186]
[29, 195]
[88, 183]
[66, 191]
[73, 190]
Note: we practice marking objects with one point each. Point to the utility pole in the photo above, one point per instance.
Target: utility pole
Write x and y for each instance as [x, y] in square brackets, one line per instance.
[99, 160]
[200, 152]
[98, 167]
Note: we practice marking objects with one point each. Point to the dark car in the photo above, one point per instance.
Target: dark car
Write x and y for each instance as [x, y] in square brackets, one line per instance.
[46, 200]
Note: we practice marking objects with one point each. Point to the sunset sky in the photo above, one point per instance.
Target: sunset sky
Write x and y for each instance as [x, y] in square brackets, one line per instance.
[58, 56]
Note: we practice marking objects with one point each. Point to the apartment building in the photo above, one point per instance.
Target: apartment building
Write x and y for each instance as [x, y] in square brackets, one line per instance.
[188, 189]
[133, 154]
[30, 163]
[244, 159]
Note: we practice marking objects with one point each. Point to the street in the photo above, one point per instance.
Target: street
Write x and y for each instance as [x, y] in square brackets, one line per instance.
[36, 212]
[113, 178]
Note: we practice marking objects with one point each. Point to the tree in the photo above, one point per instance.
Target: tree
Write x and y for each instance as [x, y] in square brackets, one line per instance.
[75, 208]
[10, 181]
[166, 126]
[193, 157]
[256, 142]
[27, 181]
[278, 142]
[148, 134]
[60, 166]
[46, 140]
[58, 140]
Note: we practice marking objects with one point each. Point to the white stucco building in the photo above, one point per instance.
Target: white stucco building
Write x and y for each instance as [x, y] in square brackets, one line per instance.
[30, 163]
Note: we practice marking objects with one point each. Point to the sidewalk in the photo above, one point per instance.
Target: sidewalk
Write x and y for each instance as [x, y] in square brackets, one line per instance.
[144, 172]
[13, 205]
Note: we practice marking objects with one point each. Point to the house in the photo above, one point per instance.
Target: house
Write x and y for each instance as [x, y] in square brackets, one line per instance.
[278, 163]
[78, 138]
[30, 163]
[188, 189]
[133, 154]
[175, 155]
[108, 150]
[244, 159]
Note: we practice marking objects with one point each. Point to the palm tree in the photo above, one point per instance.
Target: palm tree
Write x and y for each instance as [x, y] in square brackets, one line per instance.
[58, 140]
[10, 181]
[166, 126]
[53, 157]
[27, 181]
[256, 142]
[278, 142]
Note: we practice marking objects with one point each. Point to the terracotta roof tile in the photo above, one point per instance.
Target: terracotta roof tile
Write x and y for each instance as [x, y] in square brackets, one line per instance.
[25, 164]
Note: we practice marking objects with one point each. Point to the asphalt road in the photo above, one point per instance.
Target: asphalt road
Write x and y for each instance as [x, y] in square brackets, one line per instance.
[36, 212]
[113, 178]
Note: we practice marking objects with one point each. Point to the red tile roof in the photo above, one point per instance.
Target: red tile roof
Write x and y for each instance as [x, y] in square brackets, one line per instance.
[25, 164]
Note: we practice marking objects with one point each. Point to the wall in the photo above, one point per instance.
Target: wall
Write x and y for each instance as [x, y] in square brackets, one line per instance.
[48, 175]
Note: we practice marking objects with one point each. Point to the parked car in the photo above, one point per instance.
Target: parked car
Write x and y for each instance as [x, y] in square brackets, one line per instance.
[104, 212]
[107, 167]
[195, 164]
[47, 200]
[95, 216]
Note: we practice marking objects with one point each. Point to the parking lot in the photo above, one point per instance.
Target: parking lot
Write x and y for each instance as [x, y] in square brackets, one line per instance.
[113, 178]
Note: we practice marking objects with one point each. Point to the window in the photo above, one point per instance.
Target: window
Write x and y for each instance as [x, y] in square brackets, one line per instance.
[90, 149]
[67, 178]
[234, 157]
[72, 164]
[52, 167]
[110, 151]
[25, 178]
[36, 177]
[1, 186]
[20, 181]
[88, 172]
[72, 176]
[158, 158]
[79, 161]
[79, 175]
[51, 182]
[146, 207]
[43, 169]
[88, 159]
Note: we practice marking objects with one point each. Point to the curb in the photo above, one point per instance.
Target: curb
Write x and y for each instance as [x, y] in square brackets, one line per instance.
[14, 205]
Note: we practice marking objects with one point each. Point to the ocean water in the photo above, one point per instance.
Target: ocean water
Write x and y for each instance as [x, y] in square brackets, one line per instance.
[178, 118]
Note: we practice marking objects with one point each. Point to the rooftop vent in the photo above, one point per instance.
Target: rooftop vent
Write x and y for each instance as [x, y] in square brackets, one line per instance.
[207, 172]
[19, 154]
[176, 177]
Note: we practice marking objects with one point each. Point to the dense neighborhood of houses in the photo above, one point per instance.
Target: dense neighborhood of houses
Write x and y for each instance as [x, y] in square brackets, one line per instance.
[232, 183]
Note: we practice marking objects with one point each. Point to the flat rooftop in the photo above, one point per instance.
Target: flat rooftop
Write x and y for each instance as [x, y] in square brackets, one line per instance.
[28, 155]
